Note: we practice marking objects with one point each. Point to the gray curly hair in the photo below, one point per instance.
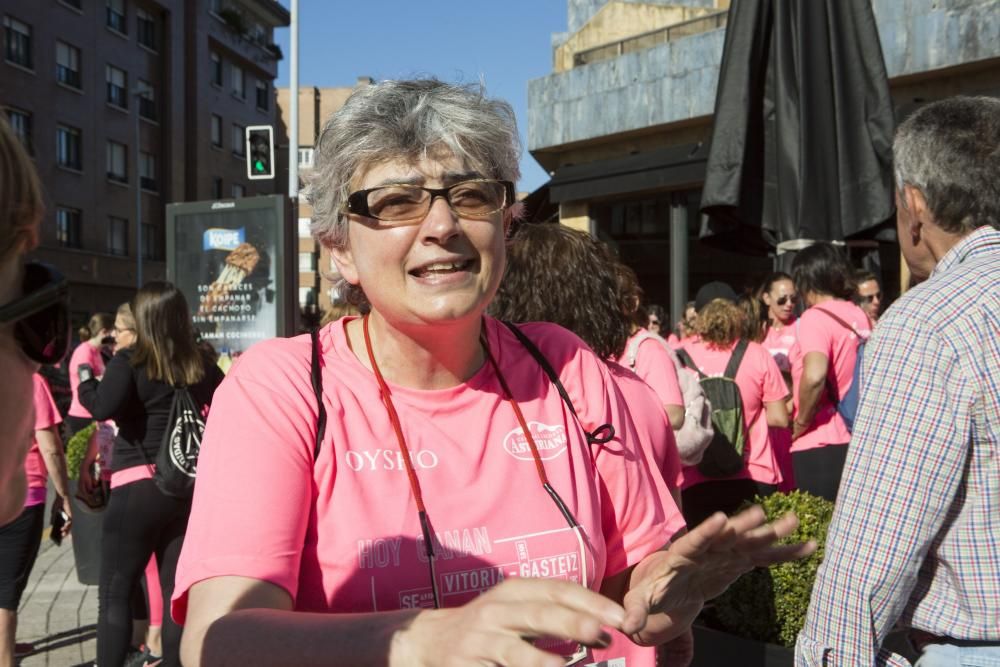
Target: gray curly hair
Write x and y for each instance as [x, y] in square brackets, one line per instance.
[405, 120]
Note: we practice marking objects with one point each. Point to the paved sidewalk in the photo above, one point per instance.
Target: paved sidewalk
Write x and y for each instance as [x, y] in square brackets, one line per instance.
[58, 614]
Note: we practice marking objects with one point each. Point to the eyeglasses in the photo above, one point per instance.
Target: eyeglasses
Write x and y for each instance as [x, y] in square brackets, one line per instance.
[870, 297]
[120, 330]
[785, 298]
[41, 314]
[579, 652]
[405, 203]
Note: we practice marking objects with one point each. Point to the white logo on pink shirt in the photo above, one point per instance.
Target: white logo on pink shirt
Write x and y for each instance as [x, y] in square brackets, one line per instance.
[550, 440]
[389, 459]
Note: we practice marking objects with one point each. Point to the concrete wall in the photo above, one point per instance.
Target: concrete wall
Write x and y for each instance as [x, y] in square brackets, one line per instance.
[676, 81]
[581, 11]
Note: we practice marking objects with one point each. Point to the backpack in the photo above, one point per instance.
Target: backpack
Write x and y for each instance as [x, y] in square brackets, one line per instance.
[847, 405]
[177, 460]
[696, 433]
[724, 455]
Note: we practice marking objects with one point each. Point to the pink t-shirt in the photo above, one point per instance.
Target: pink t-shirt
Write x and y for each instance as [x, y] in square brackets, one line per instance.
[819, 332]
[85, 353]
[654, 366]
[673, 341]
[46, 416]
[759, 381]
[341, 534]
[655, 433]
[779, 343]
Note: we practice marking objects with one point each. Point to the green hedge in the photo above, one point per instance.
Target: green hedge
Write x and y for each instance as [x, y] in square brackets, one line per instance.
[76, 449]
[769, 604]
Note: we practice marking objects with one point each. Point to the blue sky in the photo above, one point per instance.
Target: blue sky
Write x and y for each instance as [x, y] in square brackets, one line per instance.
[503, 42]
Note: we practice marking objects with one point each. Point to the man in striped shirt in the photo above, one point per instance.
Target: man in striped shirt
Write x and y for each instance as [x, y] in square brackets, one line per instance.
[915, 539]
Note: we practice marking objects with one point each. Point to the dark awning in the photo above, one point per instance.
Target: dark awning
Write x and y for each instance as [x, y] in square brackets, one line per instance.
[663, 169]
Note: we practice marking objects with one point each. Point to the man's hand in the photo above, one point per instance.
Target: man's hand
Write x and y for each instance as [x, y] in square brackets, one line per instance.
[497, 627]
[702, 564]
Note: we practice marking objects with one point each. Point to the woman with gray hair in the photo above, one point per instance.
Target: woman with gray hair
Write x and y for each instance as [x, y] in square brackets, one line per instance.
[410, 487]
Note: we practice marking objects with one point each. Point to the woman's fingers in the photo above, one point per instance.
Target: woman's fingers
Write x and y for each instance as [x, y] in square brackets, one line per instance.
[565, 594]
[545, 619]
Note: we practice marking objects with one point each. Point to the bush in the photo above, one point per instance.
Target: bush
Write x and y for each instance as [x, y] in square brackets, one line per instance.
[76, 449]
[769, 604]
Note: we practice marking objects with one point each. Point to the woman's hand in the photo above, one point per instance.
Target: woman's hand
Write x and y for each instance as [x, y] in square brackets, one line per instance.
[701, 565]
[87, 483]
[497, 627]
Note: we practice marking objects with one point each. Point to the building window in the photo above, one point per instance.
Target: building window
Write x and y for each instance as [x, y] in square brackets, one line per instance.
[147, 171]
[150, 243]
[239, 140]
[116, 16]
[68, 227]
[307, 262]
[117, 82]
[68, 147]
[238, 82]
[262, 95]
[216, 69]
[305, 158]
[217, 131]
[17, 42]
[304, 231]
[147, 101]
[117, 236]
[117, 162]
[307, 297]
[67, 64]
[145, 32]
[20, 122]
[238, 191]
[216, 188]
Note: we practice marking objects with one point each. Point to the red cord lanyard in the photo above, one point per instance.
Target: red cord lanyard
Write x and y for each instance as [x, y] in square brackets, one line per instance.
[412, 475]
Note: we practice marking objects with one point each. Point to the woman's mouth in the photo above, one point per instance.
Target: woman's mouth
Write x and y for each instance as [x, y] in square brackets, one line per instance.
[441, 269]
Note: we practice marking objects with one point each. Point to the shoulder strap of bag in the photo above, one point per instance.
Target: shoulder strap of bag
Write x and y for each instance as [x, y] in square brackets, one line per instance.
[632, 351]
[688, 362]
[602, 433]
[733, 367]
[841, 322]
[317, 384]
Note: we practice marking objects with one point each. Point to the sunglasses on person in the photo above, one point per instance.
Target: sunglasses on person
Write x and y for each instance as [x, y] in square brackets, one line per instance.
[868, 298]
[41, 314]
[785, 298]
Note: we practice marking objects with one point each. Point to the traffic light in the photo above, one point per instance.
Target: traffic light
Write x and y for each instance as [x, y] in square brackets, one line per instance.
[260, 152]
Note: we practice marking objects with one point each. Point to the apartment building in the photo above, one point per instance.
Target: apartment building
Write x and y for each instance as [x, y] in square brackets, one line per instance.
[126, 106]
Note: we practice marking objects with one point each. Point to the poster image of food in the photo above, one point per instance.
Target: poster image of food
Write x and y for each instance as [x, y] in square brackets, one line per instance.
[224, 261]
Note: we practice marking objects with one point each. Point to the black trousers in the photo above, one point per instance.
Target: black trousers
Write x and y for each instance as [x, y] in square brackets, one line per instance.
[138, 522]
[818, 470]
[722, 495]
[19, 542]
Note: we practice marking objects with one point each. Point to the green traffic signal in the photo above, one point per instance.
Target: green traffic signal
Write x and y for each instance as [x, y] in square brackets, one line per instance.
[258, 166]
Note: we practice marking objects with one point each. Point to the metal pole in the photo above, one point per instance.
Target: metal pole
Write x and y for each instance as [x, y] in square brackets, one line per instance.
[293, 93]
[678, 256]
[138, 200]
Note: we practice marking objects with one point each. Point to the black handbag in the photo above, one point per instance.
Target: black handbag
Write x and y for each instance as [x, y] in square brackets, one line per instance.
[177, 460]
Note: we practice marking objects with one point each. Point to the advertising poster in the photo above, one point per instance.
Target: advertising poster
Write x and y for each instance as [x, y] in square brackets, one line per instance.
[225, 257]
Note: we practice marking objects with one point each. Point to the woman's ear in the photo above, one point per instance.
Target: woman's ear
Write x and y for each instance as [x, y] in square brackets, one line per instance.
[344, 260]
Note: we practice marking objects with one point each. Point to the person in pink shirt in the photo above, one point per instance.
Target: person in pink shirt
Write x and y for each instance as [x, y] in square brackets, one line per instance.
[431, 495]
[89, 352]
[763, 394]
[780, 298]
[822, 360]
[20, 539]
[592, 293]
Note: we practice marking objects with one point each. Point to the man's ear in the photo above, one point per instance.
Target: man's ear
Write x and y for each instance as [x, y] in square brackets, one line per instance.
[916, 205]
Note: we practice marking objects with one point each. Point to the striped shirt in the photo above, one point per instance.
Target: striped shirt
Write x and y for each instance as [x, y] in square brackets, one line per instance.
[915, 537]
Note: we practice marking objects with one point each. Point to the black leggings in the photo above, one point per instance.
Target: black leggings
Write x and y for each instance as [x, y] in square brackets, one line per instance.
[19, 542]
[702, 500]
[818, 470]
[139, 521]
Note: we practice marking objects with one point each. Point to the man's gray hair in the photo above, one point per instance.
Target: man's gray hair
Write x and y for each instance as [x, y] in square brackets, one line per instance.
[950, 151]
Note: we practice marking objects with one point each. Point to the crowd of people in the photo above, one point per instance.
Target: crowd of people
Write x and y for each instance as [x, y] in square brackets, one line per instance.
[500, 452]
